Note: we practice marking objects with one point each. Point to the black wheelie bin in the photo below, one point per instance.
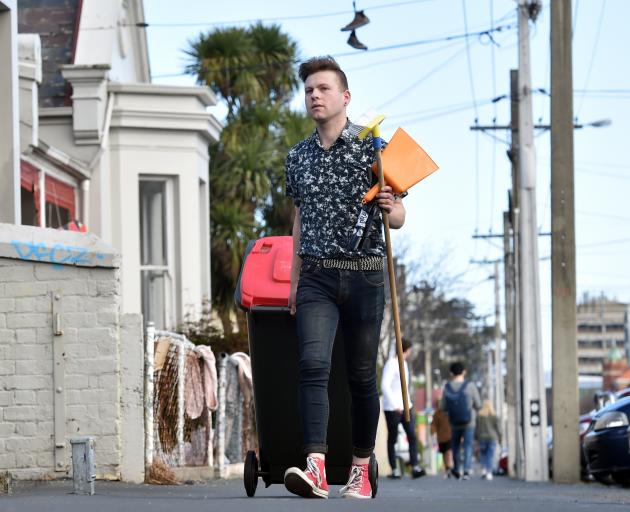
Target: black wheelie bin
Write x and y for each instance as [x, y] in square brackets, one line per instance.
[262, 292]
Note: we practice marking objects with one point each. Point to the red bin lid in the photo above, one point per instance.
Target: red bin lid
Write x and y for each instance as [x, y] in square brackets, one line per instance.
[266, 274]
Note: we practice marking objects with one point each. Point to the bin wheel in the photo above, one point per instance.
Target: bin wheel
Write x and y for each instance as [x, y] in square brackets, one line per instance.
[373, 474]
[250, 473]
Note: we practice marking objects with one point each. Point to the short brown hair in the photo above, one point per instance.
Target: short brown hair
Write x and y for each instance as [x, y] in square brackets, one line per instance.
[326, 63]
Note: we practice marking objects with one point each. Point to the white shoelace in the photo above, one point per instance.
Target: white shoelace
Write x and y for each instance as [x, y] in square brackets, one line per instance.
[354, 482]
[311, 465]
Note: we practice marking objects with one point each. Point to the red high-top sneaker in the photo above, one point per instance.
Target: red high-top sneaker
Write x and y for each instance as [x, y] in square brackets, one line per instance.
[310, 483]
[358, 485]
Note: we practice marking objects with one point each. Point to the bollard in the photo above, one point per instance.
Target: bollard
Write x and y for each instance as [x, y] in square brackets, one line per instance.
[83, 474]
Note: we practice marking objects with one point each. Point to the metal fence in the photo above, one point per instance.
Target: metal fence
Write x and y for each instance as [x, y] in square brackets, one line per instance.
[182, 393]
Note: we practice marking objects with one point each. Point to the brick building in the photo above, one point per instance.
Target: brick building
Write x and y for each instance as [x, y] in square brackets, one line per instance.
[71, 363]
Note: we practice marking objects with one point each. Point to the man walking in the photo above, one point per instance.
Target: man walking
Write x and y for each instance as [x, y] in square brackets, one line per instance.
[393, 408]
[461, 400]
[331, 283]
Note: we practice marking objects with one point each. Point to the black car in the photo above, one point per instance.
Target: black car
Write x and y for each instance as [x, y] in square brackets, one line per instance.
[607, 443]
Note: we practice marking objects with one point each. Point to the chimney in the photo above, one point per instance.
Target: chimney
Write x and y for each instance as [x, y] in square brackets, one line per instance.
[30, 76]
[89, 98]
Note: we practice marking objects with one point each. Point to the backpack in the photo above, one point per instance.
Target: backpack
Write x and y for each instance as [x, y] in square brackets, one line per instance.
[457, 404]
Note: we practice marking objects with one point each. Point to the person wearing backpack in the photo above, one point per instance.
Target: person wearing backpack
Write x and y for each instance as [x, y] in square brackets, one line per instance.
[461, 400]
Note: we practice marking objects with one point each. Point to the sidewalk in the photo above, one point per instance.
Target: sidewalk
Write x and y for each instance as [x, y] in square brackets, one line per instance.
[423, 495]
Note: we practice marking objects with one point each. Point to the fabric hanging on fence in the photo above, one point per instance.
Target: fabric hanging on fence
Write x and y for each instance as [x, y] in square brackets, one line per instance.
[165, 403]
[209, 376]
[244, 375]
[246, 386]
[238, 402]
[193, 387]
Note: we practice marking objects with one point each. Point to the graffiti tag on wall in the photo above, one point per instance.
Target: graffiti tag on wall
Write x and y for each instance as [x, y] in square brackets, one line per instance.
[59, 254]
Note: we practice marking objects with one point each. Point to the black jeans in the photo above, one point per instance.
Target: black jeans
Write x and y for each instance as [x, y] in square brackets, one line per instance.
[354, 301]
[393, 418]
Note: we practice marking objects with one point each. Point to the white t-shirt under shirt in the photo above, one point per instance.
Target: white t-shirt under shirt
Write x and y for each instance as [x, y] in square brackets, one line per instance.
[390, 386]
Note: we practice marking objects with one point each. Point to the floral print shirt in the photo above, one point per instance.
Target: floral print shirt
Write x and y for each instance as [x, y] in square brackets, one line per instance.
[328, 186]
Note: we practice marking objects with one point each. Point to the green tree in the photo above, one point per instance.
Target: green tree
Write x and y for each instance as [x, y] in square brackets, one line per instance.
[245, 66]
[252, 70]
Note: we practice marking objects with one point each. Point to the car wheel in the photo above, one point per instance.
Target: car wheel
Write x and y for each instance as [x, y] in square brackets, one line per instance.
[621, 478]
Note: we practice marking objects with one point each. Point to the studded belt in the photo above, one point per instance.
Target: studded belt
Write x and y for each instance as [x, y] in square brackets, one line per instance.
[369, 263]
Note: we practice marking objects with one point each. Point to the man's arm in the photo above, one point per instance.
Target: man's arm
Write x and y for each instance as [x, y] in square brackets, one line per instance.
[296, 261]
[393, 206]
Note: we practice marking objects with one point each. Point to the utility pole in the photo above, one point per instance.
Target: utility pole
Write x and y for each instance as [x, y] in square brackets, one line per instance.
[510, 223]
[566, 455]
[490, 376]
[498, 353]
[427, 332]
[429, 460]
[509, 419]
[494, 371]
[534, 400]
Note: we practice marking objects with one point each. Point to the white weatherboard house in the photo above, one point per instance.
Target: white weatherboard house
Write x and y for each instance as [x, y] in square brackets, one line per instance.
[87, 140]
[103, 146]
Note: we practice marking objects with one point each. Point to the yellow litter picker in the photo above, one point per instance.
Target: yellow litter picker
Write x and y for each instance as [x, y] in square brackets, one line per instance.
[401, 165]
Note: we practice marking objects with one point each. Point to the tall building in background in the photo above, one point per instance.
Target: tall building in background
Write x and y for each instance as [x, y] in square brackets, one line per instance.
[602, 334]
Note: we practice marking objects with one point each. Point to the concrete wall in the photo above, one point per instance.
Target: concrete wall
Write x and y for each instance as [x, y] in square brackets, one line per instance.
[70, 364]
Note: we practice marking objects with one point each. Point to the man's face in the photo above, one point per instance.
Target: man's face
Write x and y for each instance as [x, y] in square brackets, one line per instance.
[324, 96]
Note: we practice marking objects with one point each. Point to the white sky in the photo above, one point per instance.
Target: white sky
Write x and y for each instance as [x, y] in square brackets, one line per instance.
[469, 192]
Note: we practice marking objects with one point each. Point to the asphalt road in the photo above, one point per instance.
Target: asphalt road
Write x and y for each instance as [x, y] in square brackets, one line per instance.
[425, 494]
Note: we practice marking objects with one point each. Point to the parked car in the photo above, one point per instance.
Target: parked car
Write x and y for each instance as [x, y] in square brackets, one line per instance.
[607, 442]
[622, 393]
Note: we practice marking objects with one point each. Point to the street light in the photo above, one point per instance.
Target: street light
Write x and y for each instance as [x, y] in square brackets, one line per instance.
[601, 123]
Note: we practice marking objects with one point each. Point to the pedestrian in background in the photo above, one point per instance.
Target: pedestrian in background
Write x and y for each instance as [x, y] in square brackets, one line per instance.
[441, 428]
[488, 435]
[461, 400]
[393, 408]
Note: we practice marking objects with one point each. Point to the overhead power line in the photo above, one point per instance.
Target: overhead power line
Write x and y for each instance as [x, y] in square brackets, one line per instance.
[465, 35]
[605, 242]
[468, 59]
[282, 18]
[604, 215]
[372, 50]
[424, 77]
[590, 66]
[387, 61]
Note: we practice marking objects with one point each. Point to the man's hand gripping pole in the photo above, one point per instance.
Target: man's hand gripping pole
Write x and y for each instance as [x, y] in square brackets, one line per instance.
[373, 127]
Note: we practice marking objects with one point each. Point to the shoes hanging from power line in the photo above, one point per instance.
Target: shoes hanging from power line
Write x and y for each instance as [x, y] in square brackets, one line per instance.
[360, 19]
[355, 43]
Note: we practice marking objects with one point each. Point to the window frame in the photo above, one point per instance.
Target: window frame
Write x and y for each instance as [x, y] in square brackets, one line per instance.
[169, 270]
